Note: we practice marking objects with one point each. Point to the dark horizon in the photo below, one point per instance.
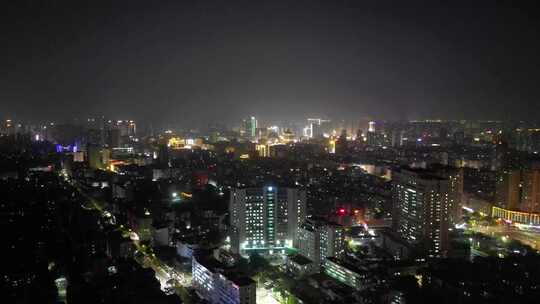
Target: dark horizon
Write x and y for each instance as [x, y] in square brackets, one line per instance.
[189, 62]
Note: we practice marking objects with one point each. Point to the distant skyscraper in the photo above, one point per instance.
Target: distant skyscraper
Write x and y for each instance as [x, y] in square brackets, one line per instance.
[250, 127]
[93, 137]
[319, 239]
[371, 126]
[421, 209]
[127, 127]
[265, 218]
[113, 138]
[163, 155]
[372, 139]
[98, 157]
[316, 127]
[397, 137]
[316, 131]
[342, 144]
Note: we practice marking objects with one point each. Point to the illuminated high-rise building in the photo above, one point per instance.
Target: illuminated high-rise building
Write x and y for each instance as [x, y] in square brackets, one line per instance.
[262, 150]
[316, 130]
[371, 126]
[455, 191]
[316, 127]
[421, 201]
[265, 218]
[250, 127]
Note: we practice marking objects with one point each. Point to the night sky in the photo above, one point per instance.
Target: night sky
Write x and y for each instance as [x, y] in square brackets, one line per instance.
[218, 61]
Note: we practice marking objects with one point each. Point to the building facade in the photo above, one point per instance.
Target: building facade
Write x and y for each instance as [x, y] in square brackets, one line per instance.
[517, 217]
[421, 208]
[347, 274]
[214, 284]
[518, 190]
[265, 218]
[455, 191]
[250, 127]
[508, 190]
[319, 239]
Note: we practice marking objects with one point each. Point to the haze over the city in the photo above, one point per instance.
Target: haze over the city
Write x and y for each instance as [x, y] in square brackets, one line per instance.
[197, 62]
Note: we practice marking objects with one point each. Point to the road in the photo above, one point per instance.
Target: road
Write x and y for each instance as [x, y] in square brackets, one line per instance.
[264, 296]
[529, 238]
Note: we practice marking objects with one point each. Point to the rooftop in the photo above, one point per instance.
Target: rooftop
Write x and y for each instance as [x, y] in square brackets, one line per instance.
[215, 266]
[241, 281]
[420, 173]
[316, 222]
[299, 259]
[347, 265]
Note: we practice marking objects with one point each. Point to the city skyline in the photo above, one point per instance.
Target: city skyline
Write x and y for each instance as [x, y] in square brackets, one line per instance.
[270, 152]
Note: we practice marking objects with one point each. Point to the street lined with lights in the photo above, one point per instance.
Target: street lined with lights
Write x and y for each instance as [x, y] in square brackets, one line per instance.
[163, 272]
